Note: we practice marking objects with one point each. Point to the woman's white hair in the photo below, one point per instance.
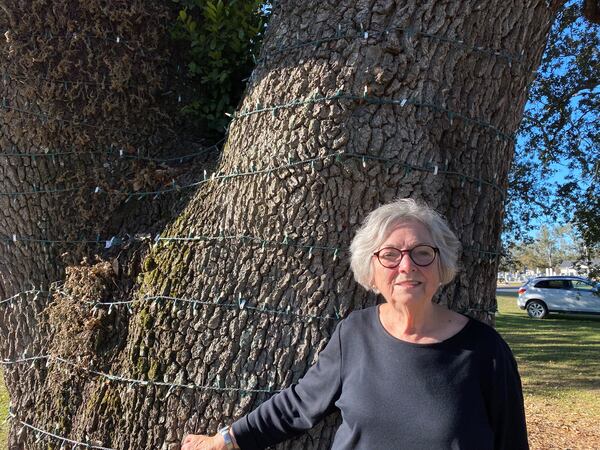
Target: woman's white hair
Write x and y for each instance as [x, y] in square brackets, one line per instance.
[380, 223]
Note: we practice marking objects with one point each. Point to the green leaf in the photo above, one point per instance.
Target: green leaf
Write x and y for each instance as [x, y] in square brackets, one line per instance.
[210, 11]
[221, 37]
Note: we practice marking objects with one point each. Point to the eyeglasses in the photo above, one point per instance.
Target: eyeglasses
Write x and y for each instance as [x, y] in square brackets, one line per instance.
[422, 255]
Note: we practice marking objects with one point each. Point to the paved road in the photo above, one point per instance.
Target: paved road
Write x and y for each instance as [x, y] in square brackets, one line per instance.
[508, 290]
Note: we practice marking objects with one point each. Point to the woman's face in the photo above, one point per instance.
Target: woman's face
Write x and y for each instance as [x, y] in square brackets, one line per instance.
[408, 283]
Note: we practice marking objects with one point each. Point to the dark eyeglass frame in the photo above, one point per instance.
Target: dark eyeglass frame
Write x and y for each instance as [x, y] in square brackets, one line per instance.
[436, 251]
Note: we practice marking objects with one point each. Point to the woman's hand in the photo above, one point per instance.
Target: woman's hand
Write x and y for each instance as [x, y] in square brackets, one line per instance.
[203, 442]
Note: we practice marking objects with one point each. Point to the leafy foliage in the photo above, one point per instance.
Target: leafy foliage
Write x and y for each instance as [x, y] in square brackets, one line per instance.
[222, 38]
[556, 171]
[550, 248]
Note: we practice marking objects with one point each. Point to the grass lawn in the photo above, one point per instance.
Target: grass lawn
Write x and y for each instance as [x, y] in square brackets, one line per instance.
[3, 413]
[559, 361]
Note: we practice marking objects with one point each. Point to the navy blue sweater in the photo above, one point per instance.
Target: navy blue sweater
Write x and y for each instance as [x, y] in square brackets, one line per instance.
[462, 393]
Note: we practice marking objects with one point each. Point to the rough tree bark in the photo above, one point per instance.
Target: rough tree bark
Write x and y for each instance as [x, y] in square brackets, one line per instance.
[352, 104]
[86, 86]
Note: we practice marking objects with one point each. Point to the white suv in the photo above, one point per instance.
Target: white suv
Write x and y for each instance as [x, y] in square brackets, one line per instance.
[543, 295]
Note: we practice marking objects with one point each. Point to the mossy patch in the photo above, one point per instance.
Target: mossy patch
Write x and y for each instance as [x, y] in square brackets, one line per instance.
[80, 325]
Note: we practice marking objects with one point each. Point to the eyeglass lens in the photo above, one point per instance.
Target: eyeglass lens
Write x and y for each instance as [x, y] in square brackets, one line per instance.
[421, 255]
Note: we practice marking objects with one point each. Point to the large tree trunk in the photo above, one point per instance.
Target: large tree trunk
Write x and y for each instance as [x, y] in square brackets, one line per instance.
[352, 105]
[88, 90]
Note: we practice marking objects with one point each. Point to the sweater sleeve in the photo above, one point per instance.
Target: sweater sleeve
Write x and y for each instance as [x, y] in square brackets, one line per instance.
[507, 410]
[297, 408]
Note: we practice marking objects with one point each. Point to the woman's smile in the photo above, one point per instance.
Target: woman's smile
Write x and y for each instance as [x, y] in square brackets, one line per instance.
[408, 283]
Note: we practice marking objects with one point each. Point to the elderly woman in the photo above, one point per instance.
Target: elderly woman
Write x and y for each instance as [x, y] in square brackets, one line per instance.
[405, 374]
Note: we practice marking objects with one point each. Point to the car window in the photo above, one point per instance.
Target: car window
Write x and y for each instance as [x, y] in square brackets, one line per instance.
[583, 286]
[553, 284]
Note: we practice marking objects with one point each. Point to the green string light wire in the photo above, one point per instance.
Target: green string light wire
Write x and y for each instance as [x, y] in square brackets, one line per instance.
[39, 432]
[371, 100]
[113, 152]
[132, 381]
[176, 188]
[353, 33]
[109, 37]
[215, 176]
[336, 251]
[241, 304]
[250, 239]
[20, 295]
[44, 117]
[431, 168]
[43, 191]
[6, 77]
[113, 241]
[116, 241]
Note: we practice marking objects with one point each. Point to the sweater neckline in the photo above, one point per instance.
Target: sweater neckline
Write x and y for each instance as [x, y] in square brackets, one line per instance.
[383, 331]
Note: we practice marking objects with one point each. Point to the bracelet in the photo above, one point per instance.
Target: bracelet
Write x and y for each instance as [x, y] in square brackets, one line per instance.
[226, 437]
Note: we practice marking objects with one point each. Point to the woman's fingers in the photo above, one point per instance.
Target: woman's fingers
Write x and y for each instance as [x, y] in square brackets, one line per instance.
[193, 441]
[189, 438]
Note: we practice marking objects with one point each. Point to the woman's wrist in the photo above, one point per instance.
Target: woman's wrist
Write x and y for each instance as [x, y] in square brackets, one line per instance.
[228, 438]
[235, 444]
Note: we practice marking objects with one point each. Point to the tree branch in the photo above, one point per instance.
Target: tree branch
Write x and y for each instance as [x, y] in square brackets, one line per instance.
[591, 10]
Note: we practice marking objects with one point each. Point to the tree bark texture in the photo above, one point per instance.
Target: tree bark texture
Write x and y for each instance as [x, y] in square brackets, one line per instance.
[352, 104]
[88, 89]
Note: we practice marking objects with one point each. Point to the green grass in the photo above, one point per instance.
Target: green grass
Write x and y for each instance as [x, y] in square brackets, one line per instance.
[3, 413]
[559, 360]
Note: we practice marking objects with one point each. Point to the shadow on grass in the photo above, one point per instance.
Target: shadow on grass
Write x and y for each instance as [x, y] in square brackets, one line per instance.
[561, 351]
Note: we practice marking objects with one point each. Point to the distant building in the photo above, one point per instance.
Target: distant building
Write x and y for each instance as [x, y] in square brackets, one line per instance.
[577, 267]
[571, 268]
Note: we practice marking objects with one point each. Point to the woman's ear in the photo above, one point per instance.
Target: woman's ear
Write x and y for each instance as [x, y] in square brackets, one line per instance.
[372, 276]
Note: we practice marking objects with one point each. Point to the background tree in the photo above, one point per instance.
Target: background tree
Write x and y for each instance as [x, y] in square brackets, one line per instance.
[548, 248]
[351, 105]
[556, 167]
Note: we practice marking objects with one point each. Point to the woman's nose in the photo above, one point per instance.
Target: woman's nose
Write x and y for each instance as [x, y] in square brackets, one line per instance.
[406, 264]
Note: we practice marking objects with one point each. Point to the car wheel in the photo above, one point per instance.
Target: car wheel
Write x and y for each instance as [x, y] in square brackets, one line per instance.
[537, 309]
